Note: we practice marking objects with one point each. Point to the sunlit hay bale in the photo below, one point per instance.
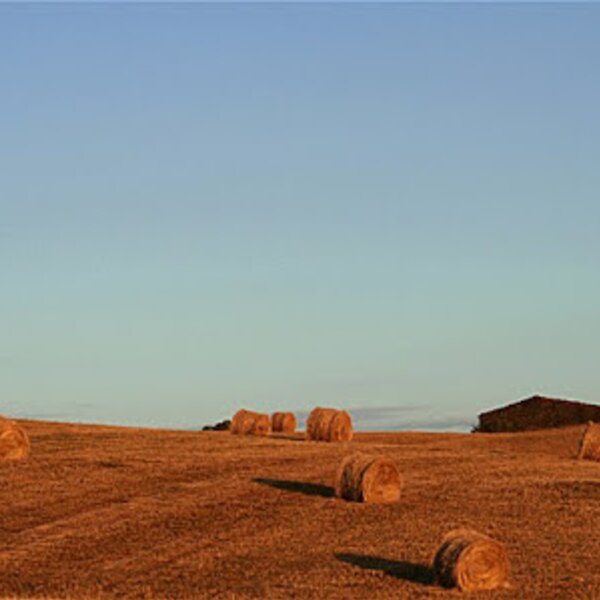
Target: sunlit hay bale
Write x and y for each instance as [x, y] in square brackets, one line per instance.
[246, 422]
[340, 427]
[471, 561]
[312, 429]
[329, 425]
[373, 479]
[261, 424]
[14, 442]
[275, 420]
[236, 421]
[589, 447]
[283, 422]
[319, 422]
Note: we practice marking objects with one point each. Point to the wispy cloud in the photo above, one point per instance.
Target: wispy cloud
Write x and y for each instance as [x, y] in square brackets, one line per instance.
[404, 417]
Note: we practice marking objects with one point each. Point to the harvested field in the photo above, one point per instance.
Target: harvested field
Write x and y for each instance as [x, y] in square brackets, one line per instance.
[104, 512]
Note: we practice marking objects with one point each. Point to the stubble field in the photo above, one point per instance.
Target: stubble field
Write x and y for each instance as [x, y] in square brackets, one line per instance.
[104, 512]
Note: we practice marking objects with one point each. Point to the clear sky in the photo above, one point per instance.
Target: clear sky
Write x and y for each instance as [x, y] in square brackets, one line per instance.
[393, 209]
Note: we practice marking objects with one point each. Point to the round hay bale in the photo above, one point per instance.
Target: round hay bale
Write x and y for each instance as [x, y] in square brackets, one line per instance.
[373, 479]
[312, 429]
[283, 422]
[471, 561]
[14, 442]
[329, 425]
[589, 446]
[246, 422]
[236, 421]
[340, 428]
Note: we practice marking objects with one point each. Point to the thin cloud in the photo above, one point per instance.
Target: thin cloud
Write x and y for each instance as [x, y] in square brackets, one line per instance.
[402, 418]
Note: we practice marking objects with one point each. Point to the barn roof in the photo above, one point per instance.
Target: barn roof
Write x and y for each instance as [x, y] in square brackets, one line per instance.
[536, 401]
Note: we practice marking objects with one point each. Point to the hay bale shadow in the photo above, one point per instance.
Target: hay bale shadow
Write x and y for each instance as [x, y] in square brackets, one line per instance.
[400, 569]
[289, 437]
[310, 489]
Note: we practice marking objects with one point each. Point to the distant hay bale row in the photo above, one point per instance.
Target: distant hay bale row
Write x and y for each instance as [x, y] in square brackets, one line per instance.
[329, 425]
[283, 422]
[14, 442]
[589, 447]
[246, 422]
[471, 562]
[363, 478]
[323, 424]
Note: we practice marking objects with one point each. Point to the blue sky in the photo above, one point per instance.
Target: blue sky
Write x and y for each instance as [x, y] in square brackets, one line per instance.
[388, 208]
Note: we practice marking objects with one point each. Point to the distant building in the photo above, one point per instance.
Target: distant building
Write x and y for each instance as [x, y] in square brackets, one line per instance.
[537, 412]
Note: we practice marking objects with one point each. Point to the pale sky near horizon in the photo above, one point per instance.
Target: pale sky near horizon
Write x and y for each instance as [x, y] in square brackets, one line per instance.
[388, 208]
